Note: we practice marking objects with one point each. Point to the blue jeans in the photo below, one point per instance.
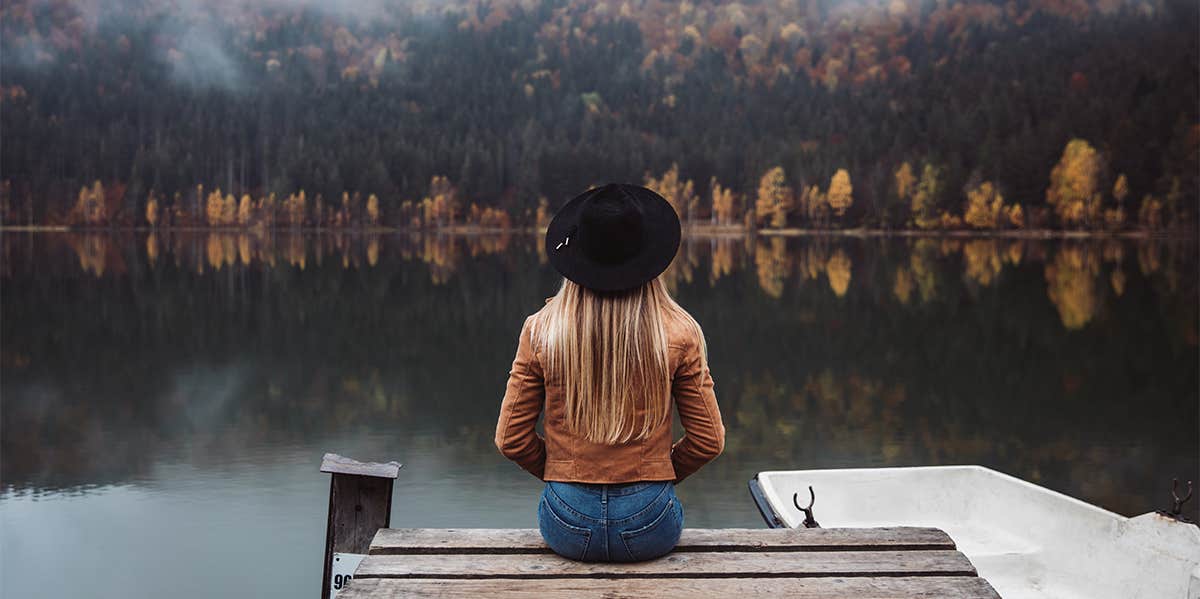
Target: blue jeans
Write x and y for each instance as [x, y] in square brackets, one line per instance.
[610, 523]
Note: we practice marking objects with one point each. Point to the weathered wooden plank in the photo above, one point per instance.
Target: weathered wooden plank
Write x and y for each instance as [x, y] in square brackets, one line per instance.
[681, 588]
[674, 565]
[360, 503]
[398, 541]
[360, 506]
[337, 464]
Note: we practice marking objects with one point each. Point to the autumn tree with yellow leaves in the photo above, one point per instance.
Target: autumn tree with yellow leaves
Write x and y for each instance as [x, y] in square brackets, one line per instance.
[440, 208]
[91, 206]
[1121, 190]
[373, 216]
[1150, 213]
[228, 210]
[245, 212]
[813, 203]
[920, 195]
[295, 208]
[152, 211]
[212, 208]
[775, 198]
[681, 194]
[840, 195]
[1114, 217]
[923, 198]
[542, 217]
[723, 203]
[904, 182]
[985, 209]
[1074, 185]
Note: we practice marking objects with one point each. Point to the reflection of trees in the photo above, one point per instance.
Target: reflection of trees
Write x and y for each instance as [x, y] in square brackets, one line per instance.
[823, 418]
[772, 261]
[838, 271]
[903, 286]
[121, 374]
[1071, 269]
[982, 259]
[722, 258]
[811, 260]
[924, 269]
[683, 268]
[96, 254]
[773, 264]
[1148, 258]
[1016, 250]
[1071, 285]
[99, 254]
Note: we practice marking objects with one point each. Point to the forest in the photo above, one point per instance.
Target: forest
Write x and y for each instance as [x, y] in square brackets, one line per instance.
[885, 114]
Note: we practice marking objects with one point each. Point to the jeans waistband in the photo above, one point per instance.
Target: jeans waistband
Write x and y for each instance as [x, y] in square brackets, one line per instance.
[614, 489]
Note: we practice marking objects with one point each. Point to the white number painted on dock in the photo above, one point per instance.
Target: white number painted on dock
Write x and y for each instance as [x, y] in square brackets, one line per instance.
[344, 565]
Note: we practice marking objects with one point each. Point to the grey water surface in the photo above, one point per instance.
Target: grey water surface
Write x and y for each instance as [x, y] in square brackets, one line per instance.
[167, 398]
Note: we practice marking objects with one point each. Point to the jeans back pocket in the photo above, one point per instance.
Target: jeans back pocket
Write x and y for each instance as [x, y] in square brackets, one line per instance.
[564, 539]
[659, 536]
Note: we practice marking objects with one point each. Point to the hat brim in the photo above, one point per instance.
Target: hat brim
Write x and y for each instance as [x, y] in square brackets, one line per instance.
[660, 242]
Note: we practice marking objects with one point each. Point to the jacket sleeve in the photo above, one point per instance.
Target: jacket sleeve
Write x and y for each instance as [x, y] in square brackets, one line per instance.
[704, 433]
[524, 396]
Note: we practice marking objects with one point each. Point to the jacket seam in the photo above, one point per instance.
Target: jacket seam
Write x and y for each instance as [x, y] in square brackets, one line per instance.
[707, 409]
[704, 402]
[509, 411]
[517, 398]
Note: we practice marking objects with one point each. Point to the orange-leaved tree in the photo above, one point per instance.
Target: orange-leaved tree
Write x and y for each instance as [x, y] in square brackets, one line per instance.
[1074, 184]
[840, 195]
[775, 198]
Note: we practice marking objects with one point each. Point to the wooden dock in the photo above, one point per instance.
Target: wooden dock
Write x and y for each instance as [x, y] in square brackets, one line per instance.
[860, 563]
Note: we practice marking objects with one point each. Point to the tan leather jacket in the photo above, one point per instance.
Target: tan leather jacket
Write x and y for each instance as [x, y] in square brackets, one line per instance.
[562, 456]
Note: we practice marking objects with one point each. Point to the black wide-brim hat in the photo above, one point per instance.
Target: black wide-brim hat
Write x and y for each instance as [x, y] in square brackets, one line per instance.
[614, 237]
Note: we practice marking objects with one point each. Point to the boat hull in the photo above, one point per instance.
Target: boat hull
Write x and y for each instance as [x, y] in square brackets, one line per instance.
[1028, 541]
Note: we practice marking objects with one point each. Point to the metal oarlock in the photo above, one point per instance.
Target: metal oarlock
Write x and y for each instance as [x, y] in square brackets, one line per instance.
[809, 521]
[1176, 511]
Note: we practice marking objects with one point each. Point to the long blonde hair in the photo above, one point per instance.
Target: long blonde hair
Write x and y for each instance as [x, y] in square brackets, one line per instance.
[609, 349]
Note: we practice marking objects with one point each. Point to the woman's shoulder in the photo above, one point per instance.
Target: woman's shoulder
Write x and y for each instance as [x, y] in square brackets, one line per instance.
[541, 311]
[683, 332]
[532, 321]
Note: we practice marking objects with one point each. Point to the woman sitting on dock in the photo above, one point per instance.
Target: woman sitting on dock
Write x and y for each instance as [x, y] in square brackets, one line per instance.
[604, 358]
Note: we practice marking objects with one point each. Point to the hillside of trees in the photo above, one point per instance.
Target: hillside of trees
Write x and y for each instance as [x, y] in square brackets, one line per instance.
[946, 114]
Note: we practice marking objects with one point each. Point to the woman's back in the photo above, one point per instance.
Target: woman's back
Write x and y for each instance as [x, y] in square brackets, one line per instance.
[563, 455]
[605, 361]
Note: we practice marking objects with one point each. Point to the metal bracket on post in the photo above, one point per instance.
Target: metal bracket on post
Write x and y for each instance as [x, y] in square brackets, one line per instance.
[360, 503]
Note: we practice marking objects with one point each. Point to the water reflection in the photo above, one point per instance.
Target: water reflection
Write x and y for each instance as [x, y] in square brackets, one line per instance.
[1074, 271]
[1070, 363]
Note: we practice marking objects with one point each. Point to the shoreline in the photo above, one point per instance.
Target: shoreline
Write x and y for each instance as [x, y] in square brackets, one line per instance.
[698, 231]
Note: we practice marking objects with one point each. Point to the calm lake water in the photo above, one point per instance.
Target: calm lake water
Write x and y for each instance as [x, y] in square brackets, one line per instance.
[167, 398]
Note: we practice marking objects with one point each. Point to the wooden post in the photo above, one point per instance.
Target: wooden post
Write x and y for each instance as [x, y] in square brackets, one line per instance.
[360, 503]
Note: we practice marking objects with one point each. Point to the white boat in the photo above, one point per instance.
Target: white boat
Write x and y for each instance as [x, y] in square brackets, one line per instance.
[1029, 542]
